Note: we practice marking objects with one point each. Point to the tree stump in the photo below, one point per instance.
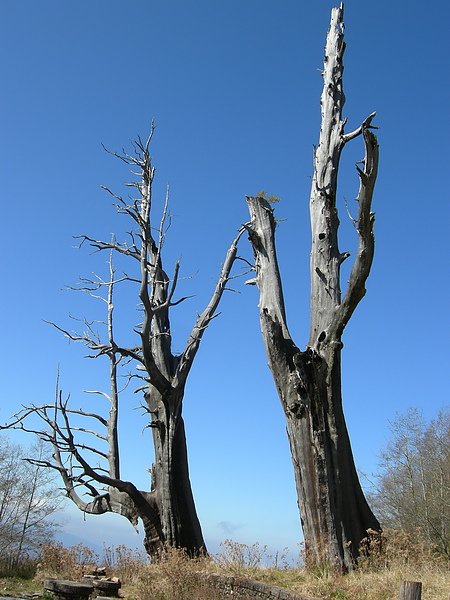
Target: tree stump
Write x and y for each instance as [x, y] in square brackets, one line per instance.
[411, 590]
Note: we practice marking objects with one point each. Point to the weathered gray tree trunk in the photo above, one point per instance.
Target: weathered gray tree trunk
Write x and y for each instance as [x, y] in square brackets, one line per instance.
[334, 513]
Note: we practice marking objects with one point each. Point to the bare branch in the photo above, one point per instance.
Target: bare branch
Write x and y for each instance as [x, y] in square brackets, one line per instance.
[157, 256]
[365, 222]
[349, 214]
[193, 343]
[90, 432]
[60, 443]
[42, 412]
[119, 198]
[101, 245]
[89, 448]
[93, 344]
[112, 430]
[366, 124]
[247, 262]
[125, 157]
[104, 394]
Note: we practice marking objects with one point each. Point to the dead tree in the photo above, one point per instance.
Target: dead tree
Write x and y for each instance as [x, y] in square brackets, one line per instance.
[91, 473]
[334, 513]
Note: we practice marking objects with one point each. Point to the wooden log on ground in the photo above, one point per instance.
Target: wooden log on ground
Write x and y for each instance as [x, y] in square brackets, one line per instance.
[63, 589]
[107, 587]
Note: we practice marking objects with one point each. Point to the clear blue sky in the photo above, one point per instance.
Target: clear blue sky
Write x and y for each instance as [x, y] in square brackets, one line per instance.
[234, 88]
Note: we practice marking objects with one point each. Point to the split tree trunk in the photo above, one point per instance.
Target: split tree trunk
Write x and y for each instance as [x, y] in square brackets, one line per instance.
[334, 512]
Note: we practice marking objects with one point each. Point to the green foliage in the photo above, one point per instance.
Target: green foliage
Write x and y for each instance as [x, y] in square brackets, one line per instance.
[263, 194]
[17, 586]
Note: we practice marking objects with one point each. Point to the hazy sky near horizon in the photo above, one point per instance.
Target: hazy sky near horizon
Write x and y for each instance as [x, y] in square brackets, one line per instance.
[234, 89]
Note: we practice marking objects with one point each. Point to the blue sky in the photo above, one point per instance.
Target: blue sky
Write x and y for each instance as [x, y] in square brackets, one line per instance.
[234, 88]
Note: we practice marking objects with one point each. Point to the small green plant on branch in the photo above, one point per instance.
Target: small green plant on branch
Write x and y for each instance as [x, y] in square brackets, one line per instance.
[269, 198]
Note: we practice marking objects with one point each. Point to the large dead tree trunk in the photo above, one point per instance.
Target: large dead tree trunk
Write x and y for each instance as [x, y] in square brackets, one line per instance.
[334, 513]
[167, 375]
[167, 510]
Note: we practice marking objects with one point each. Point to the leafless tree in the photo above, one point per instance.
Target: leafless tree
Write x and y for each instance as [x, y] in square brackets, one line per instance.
[413, 487]
[91, 471]
[27, 504]
[334, 511]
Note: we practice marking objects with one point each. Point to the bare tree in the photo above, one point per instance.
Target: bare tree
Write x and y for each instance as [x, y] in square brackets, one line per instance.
[334, 511]
[27, 504]
[413, 487]
[91, 472]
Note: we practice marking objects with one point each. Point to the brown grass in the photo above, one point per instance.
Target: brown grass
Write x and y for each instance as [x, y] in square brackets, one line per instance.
[384, 564]
[17, 586]
[125, 563]
[65, 563]
[394, 557]
[176, 576]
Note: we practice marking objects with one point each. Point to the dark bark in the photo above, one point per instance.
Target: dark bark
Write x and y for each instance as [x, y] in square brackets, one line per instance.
[171, 487]
[334, 513]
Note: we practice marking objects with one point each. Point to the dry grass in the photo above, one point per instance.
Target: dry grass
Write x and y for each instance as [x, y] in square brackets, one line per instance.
[176, 576]
[360, 585]
[385, 563]
[25, 568]
[241, 559]
[17, 586]
[65, 563]
[125, 563]
[394, 557]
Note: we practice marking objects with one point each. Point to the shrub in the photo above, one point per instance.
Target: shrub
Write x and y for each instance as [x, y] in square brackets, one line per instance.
[174, 576]
[239, 559]
[396, 548]
[67, 563]
[125, 563]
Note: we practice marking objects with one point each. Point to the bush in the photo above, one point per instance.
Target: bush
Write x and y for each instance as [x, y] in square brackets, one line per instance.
[175, 576]
[396, 548]
[124, 563]
[65, 563]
